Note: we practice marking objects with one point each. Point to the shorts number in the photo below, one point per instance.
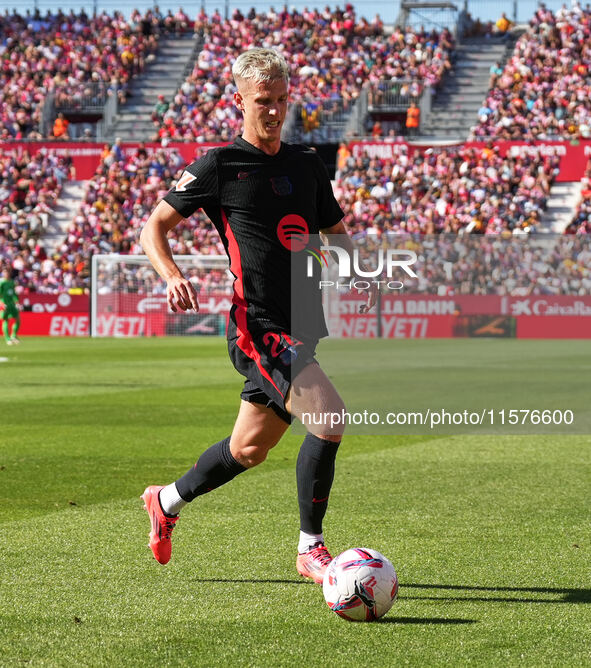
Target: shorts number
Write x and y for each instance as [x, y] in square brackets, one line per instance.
[275, 340]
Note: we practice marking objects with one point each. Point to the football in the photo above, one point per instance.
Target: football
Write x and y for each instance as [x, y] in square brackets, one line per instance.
[360, 585]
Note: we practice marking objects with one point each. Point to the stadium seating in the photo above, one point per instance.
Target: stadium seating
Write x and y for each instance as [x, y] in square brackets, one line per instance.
[438, 191]
[118, 201]
[544, 90]
[469, 190]
[66, 55]
[29, 189]
[331, 54]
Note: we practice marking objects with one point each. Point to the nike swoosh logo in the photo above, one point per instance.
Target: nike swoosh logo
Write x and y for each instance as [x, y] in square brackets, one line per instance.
[244, 175]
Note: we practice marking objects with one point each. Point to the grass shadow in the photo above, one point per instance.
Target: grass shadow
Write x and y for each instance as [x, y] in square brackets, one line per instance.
[568, 595]
[425, 620]
[253, 581]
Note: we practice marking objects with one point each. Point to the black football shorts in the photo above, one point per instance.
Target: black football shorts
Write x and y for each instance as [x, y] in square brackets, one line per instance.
[270, 360]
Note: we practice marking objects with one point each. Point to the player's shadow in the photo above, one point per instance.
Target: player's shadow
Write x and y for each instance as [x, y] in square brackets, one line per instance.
[254, 581]
[519, 594]
[424, 620]
[385, 620]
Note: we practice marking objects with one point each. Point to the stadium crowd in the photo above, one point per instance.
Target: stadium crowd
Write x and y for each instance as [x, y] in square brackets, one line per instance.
[30, 186]
[544, 90]
[448, 264]
[72, 56]
[500, 264]
[331, 54]
[118, 201]
[438, 192]
[450, 191]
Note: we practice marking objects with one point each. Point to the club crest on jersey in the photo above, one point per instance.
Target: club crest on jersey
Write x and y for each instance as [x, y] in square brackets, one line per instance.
[293, 232]
[183, 182]
[281, 185]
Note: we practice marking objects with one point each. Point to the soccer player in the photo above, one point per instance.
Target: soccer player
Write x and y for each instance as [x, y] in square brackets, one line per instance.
[10, 311]
[252, 190]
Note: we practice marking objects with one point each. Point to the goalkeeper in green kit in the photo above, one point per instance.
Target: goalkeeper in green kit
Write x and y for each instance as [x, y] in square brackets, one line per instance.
[10, 311]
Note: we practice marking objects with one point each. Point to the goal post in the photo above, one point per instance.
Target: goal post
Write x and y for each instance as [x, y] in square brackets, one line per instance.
[128, 298]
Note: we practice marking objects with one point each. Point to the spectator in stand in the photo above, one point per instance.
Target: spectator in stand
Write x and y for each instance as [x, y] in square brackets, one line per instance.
[310, 115]
[161, 107]
[60, 127]
[413, 120]
[503, 25]
[496, 71]
[471, 27]
[343, 155]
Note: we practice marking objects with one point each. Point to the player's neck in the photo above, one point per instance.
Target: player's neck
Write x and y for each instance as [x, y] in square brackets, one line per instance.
[270, 147]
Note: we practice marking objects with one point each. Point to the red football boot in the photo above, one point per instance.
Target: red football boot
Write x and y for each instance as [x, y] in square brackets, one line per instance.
[162, 525]
[313, 564]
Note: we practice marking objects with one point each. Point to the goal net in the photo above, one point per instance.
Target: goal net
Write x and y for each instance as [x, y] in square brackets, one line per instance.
[128, 298]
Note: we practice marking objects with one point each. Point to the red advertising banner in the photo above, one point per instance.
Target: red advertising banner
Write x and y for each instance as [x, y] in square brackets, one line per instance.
[42, 303]
[401, 316]
[546, 305]
[86, 155]
[573, 156]
[553, 327]
[77, 324]
[359, 326]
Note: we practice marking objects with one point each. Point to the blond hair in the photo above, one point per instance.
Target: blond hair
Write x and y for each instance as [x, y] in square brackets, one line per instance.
[260, 65]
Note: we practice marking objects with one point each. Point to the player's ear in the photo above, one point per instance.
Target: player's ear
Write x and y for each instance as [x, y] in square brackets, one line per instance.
[239, 101]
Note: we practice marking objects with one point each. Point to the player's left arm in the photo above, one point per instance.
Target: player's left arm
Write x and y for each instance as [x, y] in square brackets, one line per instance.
[339, 235]
[17, 301]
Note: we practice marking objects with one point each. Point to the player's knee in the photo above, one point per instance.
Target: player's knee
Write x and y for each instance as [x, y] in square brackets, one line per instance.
[251, 455]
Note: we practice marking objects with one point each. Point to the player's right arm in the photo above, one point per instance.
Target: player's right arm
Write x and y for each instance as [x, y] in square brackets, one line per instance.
[180, 292]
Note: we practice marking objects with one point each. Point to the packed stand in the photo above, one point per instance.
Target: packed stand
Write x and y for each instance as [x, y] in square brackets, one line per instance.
[73, 56]
[450, 265]
[453, 191]
[30, 186]
[447, 265]
[331, 55]
[544, 90]
[118, 201]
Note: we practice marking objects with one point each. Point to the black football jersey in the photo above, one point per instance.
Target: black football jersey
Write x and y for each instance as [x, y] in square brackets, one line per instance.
[265, 209]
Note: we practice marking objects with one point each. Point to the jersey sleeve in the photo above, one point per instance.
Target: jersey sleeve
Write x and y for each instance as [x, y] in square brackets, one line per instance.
[329, 210]
[196, 188]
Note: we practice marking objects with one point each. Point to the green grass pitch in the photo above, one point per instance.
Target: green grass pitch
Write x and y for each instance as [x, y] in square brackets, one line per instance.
[489, 533]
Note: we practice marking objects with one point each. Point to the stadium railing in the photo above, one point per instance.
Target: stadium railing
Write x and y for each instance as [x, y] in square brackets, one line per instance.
[390, 95]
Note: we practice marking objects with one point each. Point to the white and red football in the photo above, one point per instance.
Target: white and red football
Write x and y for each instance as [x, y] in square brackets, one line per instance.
[360, 585]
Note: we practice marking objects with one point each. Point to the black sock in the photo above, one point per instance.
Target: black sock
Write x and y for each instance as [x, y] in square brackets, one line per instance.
[215, 467]
[315, 473]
